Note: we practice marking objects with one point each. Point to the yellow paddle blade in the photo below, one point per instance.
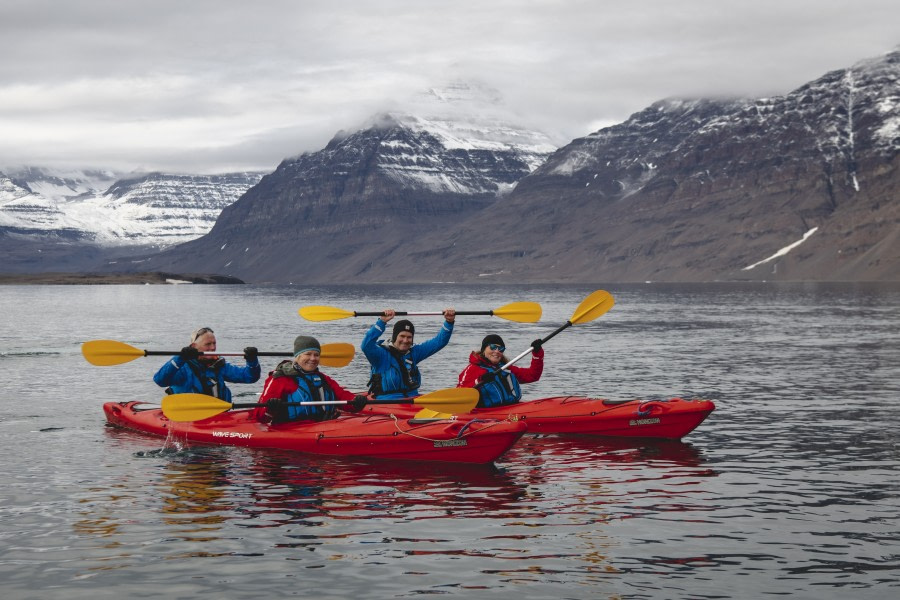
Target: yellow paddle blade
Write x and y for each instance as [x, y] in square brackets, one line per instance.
[598, 303]
[427, 413]
[324, 313]
[521, 312]
[105, 353]
[192, 407]
[450, 400]
[337, 355]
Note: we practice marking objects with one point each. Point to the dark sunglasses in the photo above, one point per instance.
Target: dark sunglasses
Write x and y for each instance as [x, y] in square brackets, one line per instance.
[202, 331]
[497, 347]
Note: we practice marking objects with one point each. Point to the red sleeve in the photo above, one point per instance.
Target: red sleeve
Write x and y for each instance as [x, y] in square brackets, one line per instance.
[469, 376]
[339, 392]
[274, 387]
[531, 373]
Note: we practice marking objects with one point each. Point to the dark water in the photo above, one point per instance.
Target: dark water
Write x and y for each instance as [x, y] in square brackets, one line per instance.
[790, 489]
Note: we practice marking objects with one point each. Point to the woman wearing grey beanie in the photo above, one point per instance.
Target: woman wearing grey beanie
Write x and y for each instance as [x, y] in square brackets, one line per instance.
[296, 381]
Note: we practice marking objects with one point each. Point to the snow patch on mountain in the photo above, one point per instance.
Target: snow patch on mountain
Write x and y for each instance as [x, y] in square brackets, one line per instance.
[455, 139]
[783, 251]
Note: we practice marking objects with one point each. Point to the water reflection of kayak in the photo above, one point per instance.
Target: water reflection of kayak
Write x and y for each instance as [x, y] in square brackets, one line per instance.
[372, 436]
[671, 418]
[610, 452]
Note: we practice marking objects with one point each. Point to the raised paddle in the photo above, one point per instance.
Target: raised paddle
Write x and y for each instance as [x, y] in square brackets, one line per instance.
[195, 407]
[595, 305]
[106, 353]
[522, 312]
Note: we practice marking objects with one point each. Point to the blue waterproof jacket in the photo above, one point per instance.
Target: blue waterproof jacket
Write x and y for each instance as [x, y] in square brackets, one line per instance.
[387, 380]
[194, 377]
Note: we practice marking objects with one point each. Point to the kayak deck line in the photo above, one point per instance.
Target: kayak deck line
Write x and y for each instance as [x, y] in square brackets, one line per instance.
[664, 418]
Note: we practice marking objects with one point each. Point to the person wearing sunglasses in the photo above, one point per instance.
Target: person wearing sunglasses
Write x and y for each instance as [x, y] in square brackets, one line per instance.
[197, 369]
[499, 387]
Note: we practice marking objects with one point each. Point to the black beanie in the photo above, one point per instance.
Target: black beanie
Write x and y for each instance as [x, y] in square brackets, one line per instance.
[491, 339]
[402, 325]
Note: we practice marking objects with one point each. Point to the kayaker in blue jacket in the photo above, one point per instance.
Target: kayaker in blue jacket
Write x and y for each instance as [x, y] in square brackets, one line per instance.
[395, 364]
[190, 373]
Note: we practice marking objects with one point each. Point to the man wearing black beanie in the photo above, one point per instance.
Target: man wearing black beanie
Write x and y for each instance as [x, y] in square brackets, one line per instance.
[395, 370]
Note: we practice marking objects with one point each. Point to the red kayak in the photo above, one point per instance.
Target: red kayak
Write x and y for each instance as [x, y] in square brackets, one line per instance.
[374, 436]
[672, 418]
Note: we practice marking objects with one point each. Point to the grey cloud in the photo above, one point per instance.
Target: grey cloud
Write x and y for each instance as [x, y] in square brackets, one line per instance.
[270, 79]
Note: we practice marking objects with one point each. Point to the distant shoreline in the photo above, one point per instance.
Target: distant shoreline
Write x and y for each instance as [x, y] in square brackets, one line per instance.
[153, 278]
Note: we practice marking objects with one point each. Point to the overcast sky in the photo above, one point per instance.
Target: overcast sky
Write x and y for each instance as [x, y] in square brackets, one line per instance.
[220, 85]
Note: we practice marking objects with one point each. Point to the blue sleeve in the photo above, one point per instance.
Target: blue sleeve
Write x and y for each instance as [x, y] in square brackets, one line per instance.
[422, 351]
[170, 373]
[375, 354]
[246, 374]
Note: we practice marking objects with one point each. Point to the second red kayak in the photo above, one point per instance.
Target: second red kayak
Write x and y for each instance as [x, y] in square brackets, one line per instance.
[671, 418]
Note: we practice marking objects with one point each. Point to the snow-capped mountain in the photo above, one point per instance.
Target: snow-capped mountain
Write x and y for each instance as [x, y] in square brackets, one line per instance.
[59, 184]
[795, 187]
[64, 221]
[800, 186]
[152, 209]
[367, 192]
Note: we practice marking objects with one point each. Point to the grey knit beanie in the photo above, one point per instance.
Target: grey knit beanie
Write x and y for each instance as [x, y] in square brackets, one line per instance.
[304, 343]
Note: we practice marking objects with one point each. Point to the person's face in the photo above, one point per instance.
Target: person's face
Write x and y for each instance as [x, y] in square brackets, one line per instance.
[307, 361]
[494, 353]
[404, 341]
[206, 342]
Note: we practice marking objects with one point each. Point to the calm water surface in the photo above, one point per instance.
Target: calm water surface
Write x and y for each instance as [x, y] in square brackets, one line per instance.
[790, 489]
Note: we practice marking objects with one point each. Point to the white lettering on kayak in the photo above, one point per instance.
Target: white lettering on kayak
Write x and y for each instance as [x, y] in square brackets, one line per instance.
[232, 434]
[445, 443]
[653, 421]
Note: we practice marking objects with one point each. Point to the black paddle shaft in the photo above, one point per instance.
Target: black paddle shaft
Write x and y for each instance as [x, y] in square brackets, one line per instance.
[403, 313]
[177, 352]
[546, 339]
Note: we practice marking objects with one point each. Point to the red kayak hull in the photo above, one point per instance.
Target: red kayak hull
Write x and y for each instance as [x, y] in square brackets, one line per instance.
[373, 436]
[672, 418]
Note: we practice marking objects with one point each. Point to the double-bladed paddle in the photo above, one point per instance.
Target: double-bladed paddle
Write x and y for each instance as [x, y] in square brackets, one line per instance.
[522, 312]
[106, 353]
[195, 407]
[595, 305]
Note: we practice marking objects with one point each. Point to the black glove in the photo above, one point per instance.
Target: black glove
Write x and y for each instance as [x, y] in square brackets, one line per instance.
[189, 353]
[276, 409]
[251, 354]
[358, 403]
[488, 377]
[536, 345]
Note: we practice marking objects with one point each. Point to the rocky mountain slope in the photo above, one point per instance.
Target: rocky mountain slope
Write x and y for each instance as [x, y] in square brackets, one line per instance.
[707, 190]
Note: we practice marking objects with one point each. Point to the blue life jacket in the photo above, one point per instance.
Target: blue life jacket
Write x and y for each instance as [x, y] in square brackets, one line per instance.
[311, 387]
[502, 390]
[192, 376]
[401, 377]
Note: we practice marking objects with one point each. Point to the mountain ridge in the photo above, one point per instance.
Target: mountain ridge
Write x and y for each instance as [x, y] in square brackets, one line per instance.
[801, 186]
